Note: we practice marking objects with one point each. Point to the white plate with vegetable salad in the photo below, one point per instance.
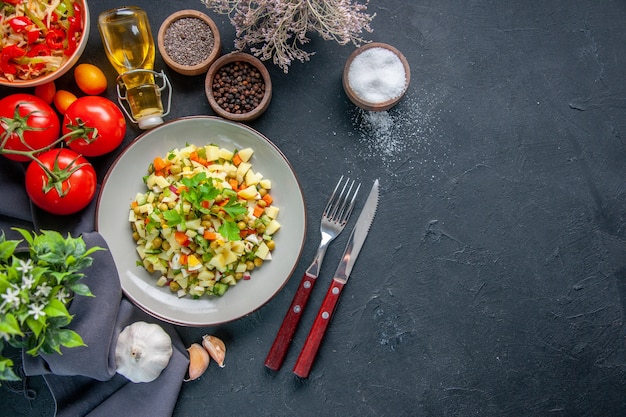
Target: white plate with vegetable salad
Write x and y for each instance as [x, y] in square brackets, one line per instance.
[206, 265]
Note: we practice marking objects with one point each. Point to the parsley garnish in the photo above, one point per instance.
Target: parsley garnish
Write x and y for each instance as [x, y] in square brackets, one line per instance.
[173, 218]
[232, 207]
[230, 231]
[199, 189]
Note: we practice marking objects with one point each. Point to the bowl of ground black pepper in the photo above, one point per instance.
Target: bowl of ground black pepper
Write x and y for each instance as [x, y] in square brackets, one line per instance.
[238, 87]
[189, 42]
[376, 76]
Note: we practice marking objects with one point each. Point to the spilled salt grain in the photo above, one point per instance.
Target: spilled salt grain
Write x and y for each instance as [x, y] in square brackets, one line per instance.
[377, 75]
[382, 125]
[401, 136]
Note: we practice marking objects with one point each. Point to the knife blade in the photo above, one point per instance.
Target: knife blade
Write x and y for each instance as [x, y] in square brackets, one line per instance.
[359, 233]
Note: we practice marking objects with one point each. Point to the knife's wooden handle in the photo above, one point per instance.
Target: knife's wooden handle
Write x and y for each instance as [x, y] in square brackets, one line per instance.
[283, 339]
[322, 320]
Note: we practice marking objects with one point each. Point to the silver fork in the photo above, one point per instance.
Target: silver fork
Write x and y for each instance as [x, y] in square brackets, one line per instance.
[334, 219]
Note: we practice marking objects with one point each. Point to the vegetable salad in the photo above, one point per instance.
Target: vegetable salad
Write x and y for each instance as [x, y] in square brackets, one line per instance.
[206, 221]
[37, 36]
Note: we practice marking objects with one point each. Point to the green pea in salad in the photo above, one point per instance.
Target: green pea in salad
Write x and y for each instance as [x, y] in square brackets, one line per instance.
[206, 220]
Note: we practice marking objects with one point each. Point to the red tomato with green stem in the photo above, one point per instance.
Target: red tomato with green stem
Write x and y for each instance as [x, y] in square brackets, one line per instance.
[60, 181]
[97, 126]
[27, 124]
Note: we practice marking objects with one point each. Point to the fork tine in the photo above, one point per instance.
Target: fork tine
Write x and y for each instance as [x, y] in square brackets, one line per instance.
[346, 214]
[339, 209]
[341, 202]
[331, 199]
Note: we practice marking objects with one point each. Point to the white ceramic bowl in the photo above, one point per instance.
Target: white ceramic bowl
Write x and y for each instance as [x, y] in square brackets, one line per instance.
[69, 62]
[124, 180]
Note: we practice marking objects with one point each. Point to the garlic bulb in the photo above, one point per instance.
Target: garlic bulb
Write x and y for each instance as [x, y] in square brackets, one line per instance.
[143, 350]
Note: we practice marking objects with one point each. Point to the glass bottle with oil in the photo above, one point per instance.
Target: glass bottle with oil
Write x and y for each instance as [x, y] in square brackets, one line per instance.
[129, 46]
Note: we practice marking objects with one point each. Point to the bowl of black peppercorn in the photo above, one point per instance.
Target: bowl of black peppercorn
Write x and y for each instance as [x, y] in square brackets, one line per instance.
[238, 87]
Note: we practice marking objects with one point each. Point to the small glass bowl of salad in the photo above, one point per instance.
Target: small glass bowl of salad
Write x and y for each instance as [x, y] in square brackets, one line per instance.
[40, 42]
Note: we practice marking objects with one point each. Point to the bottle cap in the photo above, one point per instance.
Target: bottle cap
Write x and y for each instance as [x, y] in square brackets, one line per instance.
[148, 122]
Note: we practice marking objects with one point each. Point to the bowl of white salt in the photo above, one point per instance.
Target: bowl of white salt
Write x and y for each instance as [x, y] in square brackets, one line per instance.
[376, 76]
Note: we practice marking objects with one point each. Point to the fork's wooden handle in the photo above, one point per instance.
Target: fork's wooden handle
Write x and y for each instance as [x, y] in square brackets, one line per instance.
[322, 320]
[279, 348]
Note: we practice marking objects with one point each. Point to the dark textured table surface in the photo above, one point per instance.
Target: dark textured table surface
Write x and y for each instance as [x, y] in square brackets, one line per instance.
[493, 281]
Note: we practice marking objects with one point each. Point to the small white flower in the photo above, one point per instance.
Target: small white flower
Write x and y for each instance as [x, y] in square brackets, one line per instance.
[36, 310]
[11, 296]
[25, 266]
[43, 290]
[27, 281]
[62, 295]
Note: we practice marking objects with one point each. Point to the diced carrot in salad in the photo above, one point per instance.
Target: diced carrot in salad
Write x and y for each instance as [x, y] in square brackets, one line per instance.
[208, 235]
[159, 164]
[268, 199]
[258, 211]
[203, 223]
[237, 159]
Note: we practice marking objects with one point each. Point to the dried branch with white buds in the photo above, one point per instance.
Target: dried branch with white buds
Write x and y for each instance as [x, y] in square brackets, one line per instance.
[276, 29]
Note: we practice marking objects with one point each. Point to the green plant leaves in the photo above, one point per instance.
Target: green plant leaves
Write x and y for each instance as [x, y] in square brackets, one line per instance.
[55, 308]
[81, 289]
[10, 325]
[70, 338]
[7, 248]
[35, 287]
[6, 370]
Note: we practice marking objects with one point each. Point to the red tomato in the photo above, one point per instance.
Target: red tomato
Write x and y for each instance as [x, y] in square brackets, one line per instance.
[46, 91]
[34, 119]
[99, 124]
[72, 191]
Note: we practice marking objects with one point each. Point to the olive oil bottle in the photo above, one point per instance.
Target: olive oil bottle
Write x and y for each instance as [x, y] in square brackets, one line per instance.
[129, 46]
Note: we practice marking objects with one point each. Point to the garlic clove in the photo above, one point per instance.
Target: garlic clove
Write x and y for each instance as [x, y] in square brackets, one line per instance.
[198, 361]
[216, 348]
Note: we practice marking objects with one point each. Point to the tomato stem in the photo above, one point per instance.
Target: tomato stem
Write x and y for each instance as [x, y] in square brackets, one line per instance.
[80, 130]
[17, 125]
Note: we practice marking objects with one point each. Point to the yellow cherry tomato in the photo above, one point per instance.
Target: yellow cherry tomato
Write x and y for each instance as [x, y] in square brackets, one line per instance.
[46, 91]
[63, 99]
[90, 79]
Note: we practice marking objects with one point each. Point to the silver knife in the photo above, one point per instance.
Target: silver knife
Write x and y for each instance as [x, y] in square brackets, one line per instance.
[322, 320]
